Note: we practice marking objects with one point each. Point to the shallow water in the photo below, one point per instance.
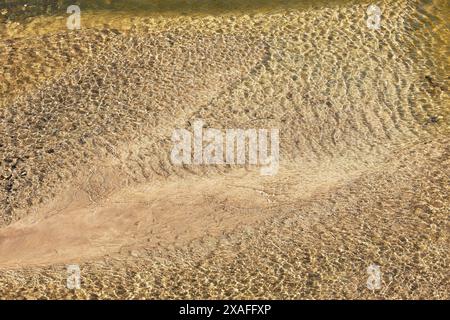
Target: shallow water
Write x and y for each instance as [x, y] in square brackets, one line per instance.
[349, 102]
[20, 9]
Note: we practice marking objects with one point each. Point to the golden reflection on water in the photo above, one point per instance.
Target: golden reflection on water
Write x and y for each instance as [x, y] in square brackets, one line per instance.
[19, 9]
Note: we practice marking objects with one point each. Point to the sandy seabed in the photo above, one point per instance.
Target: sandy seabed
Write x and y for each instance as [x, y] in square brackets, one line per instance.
[86, 119]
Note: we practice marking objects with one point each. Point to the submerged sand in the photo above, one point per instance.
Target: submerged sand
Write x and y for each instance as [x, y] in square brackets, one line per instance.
[86, 120]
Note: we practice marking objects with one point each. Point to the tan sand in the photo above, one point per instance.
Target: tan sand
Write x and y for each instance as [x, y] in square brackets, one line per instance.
[86, 120]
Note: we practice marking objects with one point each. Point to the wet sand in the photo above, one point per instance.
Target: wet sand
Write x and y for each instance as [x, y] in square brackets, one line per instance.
[86, 120]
